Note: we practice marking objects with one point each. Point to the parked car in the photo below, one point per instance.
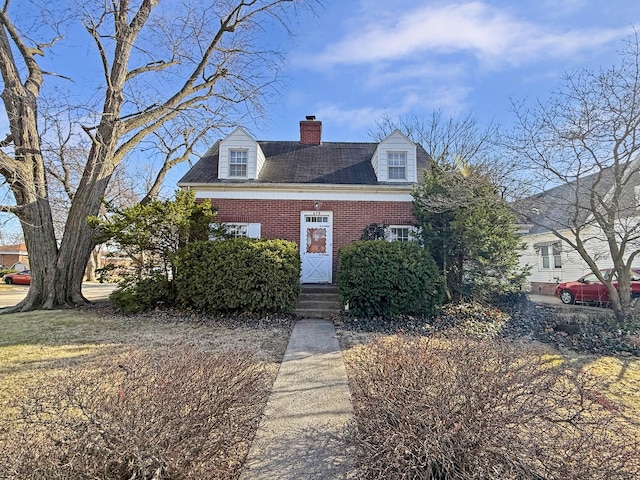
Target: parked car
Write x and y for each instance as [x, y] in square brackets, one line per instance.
[19, 278]
[589, 289]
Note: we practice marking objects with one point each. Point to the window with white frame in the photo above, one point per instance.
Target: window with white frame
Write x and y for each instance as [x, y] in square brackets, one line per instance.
[397, 163]
[237, 230]
[237, 163]
[399, 233]
[550, 256]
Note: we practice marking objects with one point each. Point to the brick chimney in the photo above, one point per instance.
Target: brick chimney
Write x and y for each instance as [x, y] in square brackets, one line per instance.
[310, 131]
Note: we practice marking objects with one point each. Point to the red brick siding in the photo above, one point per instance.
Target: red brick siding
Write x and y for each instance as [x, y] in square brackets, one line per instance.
[543, 288]
[310, 132]
[281, 218]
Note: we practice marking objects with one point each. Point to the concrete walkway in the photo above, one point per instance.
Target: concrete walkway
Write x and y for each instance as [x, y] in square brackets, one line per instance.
[302, 433]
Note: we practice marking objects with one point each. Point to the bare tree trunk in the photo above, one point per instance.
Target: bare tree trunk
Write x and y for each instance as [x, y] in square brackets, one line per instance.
[213, 81]
[93, 265]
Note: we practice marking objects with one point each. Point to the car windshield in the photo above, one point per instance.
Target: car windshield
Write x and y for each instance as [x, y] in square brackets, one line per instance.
[591, 278]
[635, 276]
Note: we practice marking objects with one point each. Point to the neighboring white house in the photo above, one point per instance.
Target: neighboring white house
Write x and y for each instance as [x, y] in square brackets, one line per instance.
[566, 207]
[552, 261]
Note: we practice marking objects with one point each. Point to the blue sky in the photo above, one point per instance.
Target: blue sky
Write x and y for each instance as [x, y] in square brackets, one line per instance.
[359, 59]
[356, 60]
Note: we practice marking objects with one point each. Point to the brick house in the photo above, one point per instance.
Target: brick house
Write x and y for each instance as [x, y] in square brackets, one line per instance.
[14, 254]
[321, 195]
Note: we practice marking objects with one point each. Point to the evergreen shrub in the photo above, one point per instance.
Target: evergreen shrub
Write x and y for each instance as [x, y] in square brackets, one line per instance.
[139, 295]
[238, 275]
[379, 278]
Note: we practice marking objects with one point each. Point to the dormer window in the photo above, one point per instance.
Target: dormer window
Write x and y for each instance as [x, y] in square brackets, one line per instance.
[237, 163]
[397, 162]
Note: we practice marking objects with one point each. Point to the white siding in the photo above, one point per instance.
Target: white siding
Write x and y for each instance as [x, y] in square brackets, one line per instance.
[311, 194]
[241, 140]
[375, 163]
[260, 159]
[573, 267]
[396, 142]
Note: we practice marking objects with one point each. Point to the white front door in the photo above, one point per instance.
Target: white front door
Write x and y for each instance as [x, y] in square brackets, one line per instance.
[316, 246]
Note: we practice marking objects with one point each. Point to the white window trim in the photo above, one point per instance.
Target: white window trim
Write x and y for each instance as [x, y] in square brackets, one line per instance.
[245, 152]
[551, 256]
[251, 230]
[391, 153]
[237, 230]
[411, 230]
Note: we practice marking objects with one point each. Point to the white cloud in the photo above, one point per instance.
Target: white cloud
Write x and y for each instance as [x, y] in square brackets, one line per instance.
[451, 99]
[473, 27]
[386, 75]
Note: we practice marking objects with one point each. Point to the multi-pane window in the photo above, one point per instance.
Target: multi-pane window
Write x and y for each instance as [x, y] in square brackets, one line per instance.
[550, 256]
[316, 218]
[237, 230]
[397, 162]
[399, 234]
[237, 163]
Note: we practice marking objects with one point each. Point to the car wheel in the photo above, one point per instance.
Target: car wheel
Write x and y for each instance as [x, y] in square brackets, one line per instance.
[567, 297]
[8, 281]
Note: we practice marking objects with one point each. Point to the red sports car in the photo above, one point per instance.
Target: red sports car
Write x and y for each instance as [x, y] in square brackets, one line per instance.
[589, 289]
[20, 278]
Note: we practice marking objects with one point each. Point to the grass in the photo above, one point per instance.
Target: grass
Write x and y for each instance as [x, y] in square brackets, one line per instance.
[36, 340]
[43, 348]
[41, 342]
[620, 381]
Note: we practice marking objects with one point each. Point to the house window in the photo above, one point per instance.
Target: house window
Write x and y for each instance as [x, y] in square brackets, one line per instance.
[399, 233]
[636, 191]
[550, 256]
[316, 218]
[237, 230]
[397, 165]
[237, 163]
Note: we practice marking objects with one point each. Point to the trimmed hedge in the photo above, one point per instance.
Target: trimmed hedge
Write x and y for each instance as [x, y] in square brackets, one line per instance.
[139, 295]
[379, 278]
[238, 275]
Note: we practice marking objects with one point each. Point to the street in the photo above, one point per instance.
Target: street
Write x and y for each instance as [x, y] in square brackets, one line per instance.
[12, 294]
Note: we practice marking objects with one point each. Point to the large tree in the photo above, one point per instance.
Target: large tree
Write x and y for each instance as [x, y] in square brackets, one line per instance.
[470, 231]
[460, 205]
[584, 141]
[165, 66]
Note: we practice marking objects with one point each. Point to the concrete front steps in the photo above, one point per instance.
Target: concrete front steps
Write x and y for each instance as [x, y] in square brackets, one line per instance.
[318, 301]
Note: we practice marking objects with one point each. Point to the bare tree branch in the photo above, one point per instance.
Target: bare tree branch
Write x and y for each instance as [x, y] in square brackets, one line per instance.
[584, 141]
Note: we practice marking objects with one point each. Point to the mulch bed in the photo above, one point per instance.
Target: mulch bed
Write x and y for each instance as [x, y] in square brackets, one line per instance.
[583, 329]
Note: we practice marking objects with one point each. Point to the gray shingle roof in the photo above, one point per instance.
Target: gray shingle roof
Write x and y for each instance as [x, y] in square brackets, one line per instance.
[565, 205]
[341, 163]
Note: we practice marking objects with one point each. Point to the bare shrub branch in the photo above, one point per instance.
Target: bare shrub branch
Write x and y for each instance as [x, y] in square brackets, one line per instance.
[174, 413]
[460, 409]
